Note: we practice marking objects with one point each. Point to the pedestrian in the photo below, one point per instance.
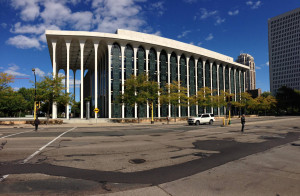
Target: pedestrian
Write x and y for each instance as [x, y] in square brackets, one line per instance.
[36, 123]
[243, 120]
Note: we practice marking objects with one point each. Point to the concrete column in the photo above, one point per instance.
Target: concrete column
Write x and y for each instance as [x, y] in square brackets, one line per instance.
[239, 87]
[68, 43]
[82, 42]
[122, 77]
[188, 83]
[134, 72]
[211, 84]
[229, 82]
[196, 82]
[234, 80]
[54, 105]
[224, 86]
[96, 44]
[178, 67]
[244, 80]
[147, 70]
[218, 85]
[204, 62]
[158, 81]
[74, 73]
[169, 81]
[109, 46]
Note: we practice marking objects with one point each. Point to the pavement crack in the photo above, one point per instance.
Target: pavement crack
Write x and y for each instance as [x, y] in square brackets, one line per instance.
[3, 144]
[164, 190]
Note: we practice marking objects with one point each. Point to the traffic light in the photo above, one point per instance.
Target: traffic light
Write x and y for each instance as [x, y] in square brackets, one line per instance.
[38, 105]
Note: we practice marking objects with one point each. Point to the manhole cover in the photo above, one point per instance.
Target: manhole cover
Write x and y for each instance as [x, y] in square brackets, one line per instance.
[137, 161]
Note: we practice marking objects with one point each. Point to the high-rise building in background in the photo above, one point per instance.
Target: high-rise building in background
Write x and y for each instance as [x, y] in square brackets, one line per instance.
[250, 79]
[284, 50]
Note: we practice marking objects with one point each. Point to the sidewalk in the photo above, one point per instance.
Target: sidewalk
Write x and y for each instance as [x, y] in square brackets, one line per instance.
[273, 172]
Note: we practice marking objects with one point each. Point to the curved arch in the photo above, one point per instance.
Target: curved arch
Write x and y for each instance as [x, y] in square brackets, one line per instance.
[163, 74]
[227, 78]
[232, 81]
[207, 74]
[141, 60]
[173, 67]
[129, 68]
[192, 84]
[152, 65]
[183, 79]
[116, 79]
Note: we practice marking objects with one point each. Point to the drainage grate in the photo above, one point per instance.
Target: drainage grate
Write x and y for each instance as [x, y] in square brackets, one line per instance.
[137, 161]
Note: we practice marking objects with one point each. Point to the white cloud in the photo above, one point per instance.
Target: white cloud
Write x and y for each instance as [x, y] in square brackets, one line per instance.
[3, 25]
[183, 34]
[23, 42]
[101, 15]
[13, 70]
[158, 7]
[158, 33]
[110, 15]
[39, 72]
[254, 5]
[206, 14]
[190, 1]
[233, 13]
[267, 63]
[16, 88]
[257, 67]
[32, 29]
[219, 20]
[209, 37]
[29, 9]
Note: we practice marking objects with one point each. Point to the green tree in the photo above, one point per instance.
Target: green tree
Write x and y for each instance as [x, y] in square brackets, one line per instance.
[139, 90]
[51, 90]
[175, 95]
[203, 98]
[28, 95]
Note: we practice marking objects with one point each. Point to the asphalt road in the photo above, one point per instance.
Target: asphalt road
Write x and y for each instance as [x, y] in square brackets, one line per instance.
[95, 160]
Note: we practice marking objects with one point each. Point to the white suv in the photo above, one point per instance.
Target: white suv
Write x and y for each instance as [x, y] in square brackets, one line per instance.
[201, 119]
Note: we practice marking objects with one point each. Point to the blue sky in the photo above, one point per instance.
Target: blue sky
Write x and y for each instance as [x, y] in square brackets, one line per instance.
[228, 27]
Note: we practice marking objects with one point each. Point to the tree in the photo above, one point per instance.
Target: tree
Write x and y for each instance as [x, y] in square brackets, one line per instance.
[175, 95]
[51, 90]
[203, 98]
[139, 90]
[243, 101]
[28, 94]
[5, 79]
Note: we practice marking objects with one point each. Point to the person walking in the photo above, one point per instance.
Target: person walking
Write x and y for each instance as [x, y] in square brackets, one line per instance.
[243, 120]
[36, 123]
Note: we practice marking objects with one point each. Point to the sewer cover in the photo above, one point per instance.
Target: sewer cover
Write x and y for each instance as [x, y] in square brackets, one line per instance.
[137, 161]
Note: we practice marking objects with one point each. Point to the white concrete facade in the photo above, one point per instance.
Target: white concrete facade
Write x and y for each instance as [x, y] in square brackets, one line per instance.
[93, 51]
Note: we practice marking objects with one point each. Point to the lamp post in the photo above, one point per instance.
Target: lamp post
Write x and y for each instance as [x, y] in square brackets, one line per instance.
[34, 93]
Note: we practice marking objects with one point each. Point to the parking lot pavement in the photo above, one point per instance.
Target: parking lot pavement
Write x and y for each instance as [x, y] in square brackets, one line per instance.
[119, 158]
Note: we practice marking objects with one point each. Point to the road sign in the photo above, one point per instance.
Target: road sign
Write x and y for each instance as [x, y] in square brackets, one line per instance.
[96, 110]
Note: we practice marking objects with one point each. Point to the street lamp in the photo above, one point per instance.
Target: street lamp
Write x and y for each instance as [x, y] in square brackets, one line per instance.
[34, 93]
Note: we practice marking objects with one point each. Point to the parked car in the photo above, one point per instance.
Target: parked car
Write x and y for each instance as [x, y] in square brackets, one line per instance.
[202, 119]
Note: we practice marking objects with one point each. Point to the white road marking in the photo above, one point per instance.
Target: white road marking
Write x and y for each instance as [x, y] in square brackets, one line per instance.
[15, 134]
[39, 150]
[42, 148]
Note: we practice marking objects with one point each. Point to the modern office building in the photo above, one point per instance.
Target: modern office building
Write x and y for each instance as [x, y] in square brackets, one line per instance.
[107, 60]
[284, 50]
[250, 76]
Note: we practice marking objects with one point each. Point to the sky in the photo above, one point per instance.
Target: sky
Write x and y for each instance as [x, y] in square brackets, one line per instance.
[228, 27]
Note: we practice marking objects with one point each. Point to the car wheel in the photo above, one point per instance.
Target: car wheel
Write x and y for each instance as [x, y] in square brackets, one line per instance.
[197, 122]
[211, 122]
